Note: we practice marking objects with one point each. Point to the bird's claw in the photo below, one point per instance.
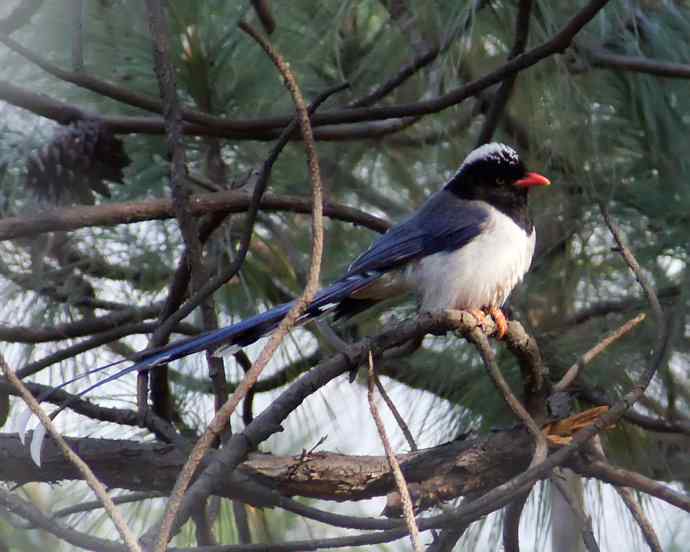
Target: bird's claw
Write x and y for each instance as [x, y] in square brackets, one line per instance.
[500, 320]
[497, 315]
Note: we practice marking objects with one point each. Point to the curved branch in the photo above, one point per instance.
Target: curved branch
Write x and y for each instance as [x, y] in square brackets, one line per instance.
[111, 214]
[257, 128]
[625, 478]
[600, 57]
[31, 513]
[97, 340]
[80, 328]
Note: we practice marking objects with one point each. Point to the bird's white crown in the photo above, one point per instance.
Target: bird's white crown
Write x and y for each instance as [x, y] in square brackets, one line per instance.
[493, 151]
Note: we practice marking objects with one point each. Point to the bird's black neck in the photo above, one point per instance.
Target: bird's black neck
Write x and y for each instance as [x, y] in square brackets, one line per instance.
[512, 202]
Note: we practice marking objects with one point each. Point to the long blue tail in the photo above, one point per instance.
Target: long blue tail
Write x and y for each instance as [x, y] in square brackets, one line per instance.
[237, 335]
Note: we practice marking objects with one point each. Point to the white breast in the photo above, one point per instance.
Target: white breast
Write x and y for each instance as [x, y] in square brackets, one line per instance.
[480, 274]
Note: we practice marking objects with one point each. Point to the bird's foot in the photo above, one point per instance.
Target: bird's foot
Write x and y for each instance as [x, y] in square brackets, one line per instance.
[501, 322]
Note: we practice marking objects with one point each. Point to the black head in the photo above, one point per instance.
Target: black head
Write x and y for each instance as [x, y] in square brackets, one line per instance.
[495, 173]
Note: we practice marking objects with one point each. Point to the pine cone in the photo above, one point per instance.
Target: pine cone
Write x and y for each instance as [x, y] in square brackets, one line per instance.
[76, 163]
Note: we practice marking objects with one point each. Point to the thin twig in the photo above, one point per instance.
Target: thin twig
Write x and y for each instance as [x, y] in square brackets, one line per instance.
[641, 519]
[97, 487]
[541, 448]
[572, 373]
[604, 471]
[97, 504]
[421, 60]
[77, 35]
[181, 196]
[584, 521]
[641, 277]
[223, 414]
[408, 509]
[31, 513]
[500, 99]
[599, 57]
[396, 414]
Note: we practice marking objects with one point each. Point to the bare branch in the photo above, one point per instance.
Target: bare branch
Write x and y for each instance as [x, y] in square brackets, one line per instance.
[80, 328]
[97, 504]
[479, 339]
[626, 478]
[434, 475]
[641, 519]
[511, 523]
[408, 509]
[500, 99]
[32, 514]
[541, 448]
[73, 218]
[161, 401]
[263, 12]
[572, 373]
[600, 57]
[396, 414]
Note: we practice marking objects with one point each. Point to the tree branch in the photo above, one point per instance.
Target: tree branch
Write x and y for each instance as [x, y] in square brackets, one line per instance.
[257, 128]
[73, 218]
[31, 513]
[435, 475]
[572, 373]
[600, 57]
[502, 95]
[400, 483]
[618, 476]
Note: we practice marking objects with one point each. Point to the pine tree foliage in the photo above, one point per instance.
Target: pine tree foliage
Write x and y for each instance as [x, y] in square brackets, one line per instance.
[607, 118]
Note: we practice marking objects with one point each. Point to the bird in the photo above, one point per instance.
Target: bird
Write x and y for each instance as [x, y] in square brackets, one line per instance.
[466, 247]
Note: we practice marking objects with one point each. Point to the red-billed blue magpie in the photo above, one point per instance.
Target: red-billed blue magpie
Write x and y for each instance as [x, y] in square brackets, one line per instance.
[466, 247]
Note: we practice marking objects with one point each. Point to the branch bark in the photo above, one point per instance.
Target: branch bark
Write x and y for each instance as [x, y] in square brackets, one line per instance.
[435, 475]
[73, 218]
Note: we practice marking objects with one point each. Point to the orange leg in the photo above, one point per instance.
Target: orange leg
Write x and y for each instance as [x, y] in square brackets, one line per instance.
[501, 322]
[496, 314]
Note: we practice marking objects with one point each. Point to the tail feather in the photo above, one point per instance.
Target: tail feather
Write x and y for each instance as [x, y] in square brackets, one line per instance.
[241, 334]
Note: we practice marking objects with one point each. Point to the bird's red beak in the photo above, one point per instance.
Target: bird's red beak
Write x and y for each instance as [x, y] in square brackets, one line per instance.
[532, 179]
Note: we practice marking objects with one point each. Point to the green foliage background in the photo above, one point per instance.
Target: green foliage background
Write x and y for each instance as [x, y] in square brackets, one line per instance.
[599, 134]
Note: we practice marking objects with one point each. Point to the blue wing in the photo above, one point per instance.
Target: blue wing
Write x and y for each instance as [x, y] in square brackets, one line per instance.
[443, 223]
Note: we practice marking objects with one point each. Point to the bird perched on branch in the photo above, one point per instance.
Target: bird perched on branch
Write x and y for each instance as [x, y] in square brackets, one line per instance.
[466, 248]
